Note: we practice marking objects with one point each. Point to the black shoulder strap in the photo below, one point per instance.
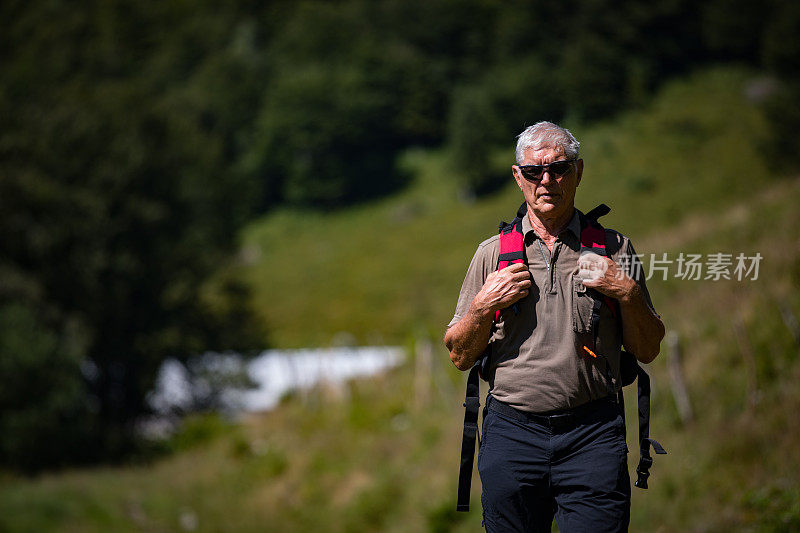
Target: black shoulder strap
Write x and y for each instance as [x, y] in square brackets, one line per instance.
[645, 460]
[511, 251]
[472, 404]
[597, 212]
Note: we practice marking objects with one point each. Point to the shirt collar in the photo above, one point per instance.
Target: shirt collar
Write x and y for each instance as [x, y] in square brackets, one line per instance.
[574, 226]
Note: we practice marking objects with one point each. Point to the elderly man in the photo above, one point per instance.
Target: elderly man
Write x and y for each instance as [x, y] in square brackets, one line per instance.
[553, 435]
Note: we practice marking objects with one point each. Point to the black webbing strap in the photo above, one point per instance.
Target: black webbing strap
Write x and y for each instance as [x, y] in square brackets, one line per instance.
[596, 305]
[511, 256]
[472, 405]
[598, 212]
[645, 460]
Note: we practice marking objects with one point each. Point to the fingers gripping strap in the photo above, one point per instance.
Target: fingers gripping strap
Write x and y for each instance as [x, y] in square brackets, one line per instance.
[471, 406]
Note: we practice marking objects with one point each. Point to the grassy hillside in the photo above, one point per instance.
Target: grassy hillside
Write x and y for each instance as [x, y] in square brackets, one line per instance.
[684, 175]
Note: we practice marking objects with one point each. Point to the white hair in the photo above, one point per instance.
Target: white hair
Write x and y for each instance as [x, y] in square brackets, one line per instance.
[547, 134]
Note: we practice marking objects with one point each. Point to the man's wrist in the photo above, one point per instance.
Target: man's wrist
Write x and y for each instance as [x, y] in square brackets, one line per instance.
[480, 311]
[632, 295]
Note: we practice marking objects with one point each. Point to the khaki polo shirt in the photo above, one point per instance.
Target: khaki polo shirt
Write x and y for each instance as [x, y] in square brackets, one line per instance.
[537, 361]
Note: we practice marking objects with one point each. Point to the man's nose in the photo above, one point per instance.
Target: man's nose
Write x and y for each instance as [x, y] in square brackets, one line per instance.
[546, 177]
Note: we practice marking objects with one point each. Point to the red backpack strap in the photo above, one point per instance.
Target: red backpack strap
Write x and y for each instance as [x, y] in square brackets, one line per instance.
[593, 239]
[512, 245]
[593, 235]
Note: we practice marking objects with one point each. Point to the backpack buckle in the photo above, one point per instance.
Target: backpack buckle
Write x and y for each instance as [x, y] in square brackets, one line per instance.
[643, 472]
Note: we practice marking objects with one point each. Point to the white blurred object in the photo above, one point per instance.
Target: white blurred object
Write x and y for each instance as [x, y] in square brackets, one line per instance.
[276, 372]
[591, 266]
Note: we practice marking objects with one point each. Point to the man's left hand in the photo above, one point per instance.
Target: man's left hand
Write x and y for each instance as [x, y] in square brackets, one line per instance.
[613, 282]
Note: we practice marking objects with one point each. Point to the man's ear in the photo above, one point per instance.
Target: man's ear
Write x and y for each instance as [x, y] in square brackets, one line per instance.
[517, 175]
[579, 171]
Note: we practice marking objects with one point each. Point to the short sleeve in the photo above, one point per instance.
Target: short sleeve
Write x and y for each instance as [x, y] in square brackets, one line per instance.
[479, 269]
[630, 261]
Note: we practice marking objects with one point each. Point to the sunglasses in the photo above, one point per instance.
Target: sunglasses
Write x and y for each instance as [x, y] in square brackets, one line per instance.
[556, 169]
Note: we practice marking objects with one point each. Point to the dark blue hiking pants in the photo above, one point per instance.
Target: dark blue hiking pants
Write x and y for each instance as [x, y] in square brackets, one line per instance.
[569, 466]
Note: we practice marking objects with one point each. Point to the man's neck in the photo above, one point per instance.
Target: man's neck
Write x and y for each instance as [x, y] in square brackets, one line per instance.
[548, 228]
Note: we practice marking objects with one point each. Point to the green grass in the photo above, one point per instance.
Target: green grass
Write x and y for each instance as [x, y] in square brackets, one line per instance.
[684, 175]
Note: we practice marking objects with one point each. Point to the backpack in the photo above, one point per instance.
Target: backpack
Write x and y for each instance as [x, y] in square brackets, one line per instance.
[512, 250]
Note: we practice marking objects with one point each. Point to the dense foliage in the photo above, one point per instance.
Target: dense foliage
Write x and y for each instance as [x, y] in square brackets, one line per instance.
[138, 137]
[118, 204]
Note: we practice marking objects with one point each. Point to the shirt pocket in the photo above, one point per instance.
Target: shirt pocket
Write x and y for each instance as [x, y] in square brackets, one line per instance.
[582, 304]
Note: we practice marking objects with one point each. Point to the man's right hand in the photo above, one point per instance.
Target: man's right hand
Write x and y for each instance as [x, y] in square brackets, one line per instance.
[503, 287]
[468, 337]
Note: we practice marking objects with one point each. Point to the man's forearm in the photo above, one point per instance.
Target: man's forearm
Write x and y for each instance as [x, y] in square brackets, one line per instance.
[642, 330]
[467, 339]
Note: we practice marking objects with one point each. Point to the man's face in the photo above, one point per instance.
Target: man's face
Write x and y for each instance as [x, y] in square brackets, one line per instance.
[552, 196]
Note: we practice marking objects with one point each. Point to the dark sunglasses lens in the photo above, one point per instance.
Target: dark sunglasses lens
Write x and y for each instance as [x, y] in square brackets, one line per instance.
[534, 172]
[559, 167]
[531, 173]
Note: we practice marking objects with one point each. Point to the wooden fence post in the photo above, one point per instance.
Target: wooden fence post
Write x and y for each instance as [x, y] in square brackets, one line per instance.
[423, 371]
[676, 378]
[740, 334]
[791, 321]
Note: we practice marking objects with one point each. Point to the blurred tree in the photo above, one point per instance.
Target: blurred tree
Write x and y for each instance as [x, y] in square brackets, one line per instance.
[781, 53]
[373, 78]
[118, 202]
[487, 113]
[324, 134]
[38, 363]
[734, 29]
[474, 132]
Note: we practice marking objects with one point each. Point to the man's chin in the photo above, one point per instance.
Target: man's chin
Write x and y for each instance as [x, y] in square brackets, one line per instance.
[549, 209]
[549, 204]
